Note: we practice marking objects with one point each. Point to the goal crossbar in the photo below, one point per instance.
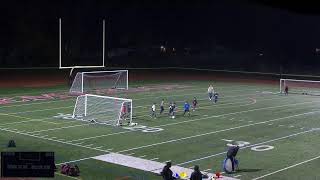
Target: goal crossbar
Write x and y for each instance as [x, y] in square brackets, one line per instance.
[300, 86]
[103, 109]
[87, 81]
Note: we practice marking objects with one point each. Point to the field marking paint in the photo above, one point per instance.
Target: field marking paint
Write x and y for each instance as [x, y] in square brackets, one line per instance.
[54, 140]
[32, 120]
[110, 149]
[142, 156]
[207, 170]
[45, 130]
[29, 104]
[249, 146]
[153, 159]
[89, 145]
[237, 175]
[75, 160]
[239, 112]
[204, 93]
[99, 147]
[228, 140]
[40, 110]
[192, 120]
[71, 177]
[130, 154]
[212, 132]
[286, 168]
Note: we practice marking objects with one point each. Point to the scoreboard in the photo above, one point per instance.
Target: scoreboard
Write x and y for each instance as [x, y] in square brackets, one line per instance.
[27, 164]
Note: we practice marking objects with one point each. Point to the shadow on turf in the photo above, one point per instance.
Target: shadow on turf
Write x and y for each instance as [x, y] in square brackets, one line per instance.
[249, 170]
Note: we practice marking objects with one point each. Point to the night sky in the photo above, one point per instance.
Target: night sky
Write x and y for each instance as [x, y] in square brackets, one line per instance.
[239, 35]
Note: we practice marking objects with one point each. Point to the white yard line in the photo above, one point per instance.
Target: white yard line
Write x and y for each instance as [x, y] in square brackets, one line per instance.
[286, 168]
[153, 159]
[52, 139]
[252, 145]
[239, 112]
[212, 132]
[45, 130]
[36, 103]
[192, 120]
[74, 161]
[71, 177]
[49, 109]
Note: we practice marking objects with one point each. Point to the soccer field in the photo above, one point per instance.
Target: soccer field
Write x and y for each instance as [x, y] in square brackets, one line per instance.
[278, 135]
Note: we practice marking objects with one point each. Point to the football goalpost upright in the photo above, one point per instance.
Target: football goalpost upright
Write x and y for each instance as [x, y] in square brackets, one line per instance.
[103, 109]
[297, 86]
[85, 82]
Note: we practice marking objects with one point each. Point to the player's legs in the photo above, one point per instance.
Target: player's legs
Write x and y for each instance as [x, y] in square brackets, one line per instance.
[161, 109]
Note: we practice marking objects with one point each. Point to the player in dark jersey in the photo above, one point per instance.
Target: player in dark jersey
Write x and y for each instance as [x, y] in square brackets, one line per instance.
[162, 106]
[286, 90]
[215, 97]
[194, 104]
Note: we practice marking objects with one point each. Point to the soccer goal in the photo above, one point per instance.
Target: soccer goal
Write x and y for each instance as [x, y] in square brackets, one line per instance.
[296, 86]
[103, 109]
[85, 82]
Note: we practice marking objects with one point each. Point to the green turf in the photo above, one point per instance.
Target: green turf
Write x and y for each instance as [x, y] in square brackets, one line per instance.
[245, 112]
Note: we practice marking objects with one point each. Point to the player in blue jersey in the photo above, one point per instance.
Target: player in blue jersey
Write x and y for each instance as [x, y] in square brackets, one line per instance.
[186, 108]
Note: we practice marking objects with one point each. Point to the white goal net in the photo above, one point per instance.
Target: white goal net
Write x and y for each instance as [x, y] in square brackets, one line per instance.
[103, 109]
[86, 82]
[296, 86]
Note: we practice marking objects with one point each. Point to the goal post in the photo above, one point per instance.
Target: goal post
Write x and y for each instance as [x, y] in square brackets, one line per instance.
[103, 109]
[86, 82]
[299, 86]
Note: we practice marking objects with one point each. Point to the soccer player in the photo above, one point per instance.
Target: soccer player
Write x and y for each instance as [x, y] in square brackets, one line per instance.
[173, 110]
[123, 114]
[153, 110]
[210, 92]
[215, 97]
[286, 90]
[170, 109]
[162, 106]
[194, 104]
[231, 154]
[186, 108]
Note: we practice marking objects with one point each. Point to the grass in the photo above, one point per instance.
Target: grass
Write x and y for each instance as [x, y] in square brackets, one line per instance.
[245, 113]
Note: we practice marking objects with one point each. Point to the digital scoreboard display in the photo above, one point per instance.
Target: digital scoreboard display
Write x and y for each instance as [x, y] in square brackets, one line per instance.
[27, 164]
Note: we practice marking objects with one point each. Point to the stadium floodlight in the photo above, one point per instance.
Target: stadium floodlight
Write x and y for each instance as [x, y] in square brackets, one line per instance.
[85, 82]
[296, 86]
[103, 109]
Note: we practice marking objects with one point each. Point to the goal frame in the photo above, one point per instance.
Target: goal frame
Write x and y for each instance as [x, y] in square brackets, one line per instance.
[86, 66]
[110, 71]
[108, 97]
[295, 80]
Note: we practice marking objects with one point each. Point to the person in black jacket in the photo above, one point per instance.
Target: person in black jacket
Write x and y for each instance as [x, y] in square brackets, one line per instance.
[196, 174]
[166, 172]
[232, 153]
